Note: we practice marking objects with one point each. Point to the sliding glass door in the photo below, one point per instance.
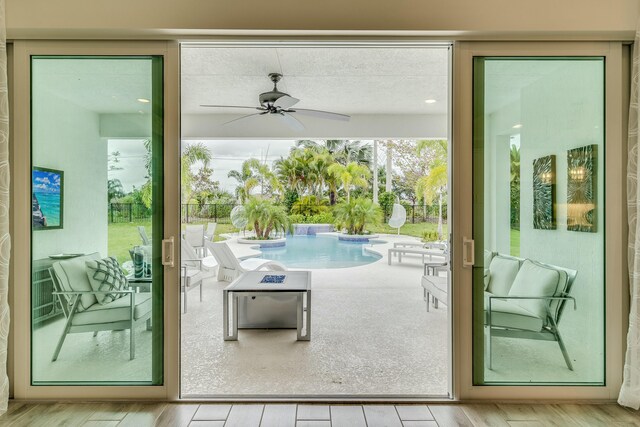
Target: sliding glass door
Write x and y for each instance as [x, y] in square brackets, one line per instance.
[96, 220]
[539, 220]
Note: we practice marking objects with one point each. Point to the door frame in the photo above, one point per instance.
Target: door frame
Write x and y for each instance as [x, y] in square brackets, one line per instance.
[616, 292]
[20, 159]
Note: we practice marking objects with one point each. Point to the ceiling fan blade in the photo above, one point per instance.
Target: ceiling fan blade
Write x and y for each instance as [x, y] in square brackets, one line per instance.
[321, 114]
[241, 118]
[291, 121]
[285, 102]
[231, 106]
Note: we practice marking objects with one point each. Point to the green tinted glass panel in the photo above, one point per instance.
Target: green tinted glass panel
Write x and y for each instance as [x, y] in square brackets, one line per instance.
[96, 156]
[539, 208]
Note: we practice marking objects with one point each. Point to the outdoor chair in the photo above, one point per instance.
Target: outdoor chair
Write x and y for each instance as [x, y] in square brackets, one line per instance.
[194, 234]
[525, 299]
[229, 267]
[84, 313]
[420, 251]
[194, 270]
[146, 241]
[210, 232]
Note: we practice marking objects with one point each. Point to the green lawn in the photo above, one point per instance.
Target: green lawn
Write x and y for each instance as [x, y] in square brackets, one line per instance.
[515, 242]
[409, 229]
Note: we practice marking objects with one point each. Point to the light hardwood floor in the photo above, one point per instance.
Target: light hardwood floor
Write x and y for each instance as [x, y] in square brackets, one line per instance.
[136, 414]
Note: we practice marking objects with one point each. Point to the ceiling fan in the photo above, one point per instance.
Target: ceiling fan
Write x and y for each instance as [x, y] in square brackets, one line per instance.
[280, 104]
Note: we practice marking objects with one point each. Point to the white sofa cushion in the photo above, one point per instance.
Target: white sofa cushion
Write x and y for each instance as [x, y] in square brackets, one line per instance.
[72, 276]
[116, 311]
[509, 315]
[106, 275]
[535, 280]
[502, 272]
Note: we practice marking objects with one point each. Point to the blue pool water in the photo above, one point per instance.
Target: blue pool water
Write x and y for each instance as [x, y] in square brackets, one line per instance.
[319, 252]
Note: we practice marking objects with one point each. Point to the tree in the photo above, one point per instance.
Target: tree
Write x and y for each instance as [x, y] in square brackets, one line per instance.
[191, 155]
[265, 217]
[204, 188]
[309, 205]
[252, 174]
[343, 151]
[351, 175]
[434, 184]
[355, 214]
[114, 189]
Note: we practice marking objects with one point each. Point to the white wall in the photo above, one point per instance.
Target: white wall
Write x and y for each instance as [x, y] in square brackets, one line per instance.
[559, 112]
[66, 137]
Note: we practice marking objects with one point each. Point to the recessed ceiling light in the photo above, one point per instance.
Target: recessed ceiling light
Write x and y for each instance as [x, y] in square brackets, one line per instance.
[430, 101]
[518, 126]
[144, 100]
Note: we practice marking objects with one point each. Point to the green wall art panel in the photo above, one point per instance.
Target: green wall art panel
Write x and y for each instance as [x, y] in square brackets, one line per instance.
[544, 193]
[582, 181]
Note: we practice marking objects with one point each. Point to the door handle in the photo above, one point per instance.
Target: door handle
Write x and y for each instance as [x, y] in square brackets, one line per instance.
[167, 252]
[468, 252]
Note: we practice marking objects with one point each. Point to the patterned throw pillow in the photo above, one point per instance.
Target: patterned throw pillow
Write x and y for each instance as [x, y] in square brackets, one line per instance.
[105, 275]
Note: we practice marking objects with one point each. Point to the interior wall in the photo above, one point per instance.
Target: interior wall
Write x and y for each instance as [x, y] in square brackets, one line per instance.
[66, 137]
[124, 19]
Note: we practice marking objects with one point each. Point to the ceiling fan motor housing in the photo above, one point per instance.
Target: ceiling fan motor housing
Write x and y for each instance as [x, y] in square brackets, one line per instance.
[268, 98]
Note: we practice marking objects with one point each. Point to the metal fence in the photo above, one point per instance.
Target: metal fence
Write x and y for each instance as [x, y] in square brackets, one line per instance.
[220, 213]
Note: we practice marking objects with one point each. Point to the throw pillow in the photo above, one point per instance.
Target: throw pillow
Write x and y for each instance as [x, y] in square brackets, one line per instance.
[105, 275]
[535, 280]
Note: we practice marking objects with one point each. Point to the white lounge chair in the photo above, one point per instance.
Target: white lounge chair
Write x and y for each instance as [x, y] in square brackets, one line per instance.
[423, 252]
[146, 241]
[194, 270]
[229, 267]
[210, 232]
[194, 234]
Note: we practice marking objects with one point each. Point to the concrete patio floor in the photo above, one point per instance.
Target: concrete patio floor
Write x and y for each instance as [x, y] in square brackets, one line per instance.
[371, 335]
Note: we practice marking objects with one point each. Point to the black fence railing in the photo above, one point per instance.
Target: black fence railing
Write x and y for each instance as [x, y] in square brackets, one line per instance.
[221, 213]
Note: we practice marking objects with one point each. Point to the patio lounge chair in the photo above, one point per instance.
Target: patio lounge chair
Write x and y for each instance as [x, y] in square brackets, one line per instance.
[83, 311]
[194, 270]
[210, 231]
[424, 252]
[194, 234]
[146, 241]
[229, 267]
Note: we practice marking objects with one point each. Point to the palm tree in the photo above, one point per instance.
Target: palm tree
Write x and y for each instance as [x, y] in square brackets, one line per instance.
[252, 174]
[192, 154]
[343, 151]
[431, 186]
[265, 217]
[114, 189]
[351, 175]
[355, 214]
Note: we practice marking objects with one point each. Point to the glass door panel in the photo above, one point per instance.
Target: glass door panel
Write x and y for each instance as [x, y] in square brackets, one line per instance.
[96, 157]
[539, 208]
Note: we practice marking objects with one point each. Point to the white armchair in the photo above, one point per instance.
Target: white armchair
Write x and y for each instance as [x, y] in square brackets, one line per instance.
[82, 311]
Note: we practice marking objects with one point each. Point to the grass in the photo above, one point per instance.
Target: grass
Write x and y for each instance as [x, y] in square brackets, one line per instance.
[515, 242]
[408, 229]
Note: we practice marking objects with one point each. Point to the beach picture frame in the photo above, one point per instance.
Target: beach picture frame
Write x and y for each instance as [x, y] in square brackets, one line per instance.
[544, 193]
[47, 199]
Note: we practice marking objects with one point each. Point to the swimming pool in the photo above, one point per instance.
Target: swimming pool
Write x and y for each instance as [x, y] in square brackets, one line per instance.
[319, 252]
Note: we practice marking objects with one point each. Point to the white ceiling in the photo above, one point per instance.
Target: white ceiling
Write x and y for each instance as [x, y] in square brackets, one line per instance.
[344, 80]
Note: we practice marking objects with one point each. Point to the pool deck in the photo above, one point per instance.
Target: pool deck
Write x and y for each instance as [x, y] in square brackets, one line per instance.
[371, 336]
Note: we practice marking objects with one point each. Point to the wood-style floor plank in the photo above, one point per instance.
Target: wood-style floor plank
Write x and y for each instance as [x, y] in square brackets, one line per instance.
[100, 423]
[314, 412]
[419, 423]
[347, 416]
[177, 415]
[381, 416]
[414, 412]
[143, 414]
[245, 416]
[450, 416]
[485, 415]
[206, 424]
[15, 410]
[279, 415]
[212, 412]
[110, 411]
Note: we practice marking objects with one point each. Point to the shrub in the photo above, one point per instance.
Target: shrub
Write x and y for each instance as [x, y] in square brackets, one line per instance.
[323, 218]
[290, 197]
[309, 205]
[429, 236]
[356, 214]
[386, 200]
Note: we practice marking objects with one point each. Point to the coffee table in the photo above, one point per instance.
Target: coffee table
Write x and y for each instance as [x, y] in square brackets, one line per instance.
[296, 283]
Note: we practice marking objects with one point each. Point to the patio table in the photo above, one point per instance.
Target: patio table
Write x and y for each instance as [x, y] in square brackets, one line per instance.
[296, 283]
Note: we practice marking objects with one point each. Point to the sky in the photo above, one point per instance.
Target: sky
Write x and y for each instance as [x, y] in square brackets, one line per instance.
[227, 155]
